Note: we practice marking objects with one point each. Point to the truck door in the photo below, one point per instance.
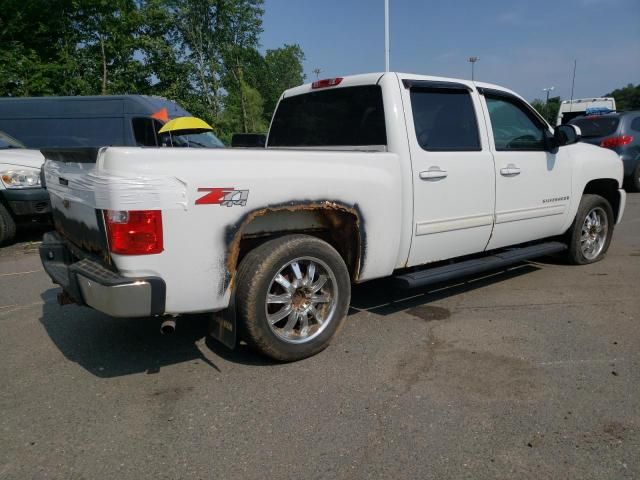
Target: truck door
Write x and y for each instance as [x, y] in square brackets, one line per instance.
[453, 171]
[533, 186]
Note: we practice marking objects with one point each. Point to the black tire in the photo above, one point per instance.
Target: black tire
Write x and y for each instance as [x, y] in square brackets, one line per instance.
[589, 204]
[634, 181]
[256, 276]
[7, 226]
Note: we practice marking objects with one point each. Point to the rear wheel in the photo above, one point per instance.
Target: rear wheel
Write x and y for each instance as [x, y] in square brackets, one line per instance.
[7, 226]
[292, 295]
[590, 235]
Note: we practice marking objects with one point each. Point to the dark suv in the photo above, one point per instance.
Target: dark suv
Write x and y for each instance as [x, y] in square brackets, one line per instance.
[621, 133]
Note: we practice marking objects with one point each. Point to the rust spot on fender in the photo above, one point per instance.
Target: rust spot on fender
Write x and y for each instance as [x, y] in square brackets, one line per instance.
[341, 231]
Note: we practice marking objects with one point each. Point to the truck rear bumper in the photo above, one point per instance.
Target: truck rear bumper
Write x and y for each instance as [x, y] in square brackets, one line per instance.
[89, 283]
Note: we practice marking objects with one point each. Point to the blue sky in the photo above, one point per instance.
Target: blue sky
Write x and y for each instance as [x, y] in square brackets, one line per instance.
[522, 45]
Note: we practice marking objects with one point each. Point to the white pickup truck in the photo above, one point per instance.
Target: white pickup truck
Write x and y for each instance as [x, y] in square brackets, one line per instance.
[362, 177]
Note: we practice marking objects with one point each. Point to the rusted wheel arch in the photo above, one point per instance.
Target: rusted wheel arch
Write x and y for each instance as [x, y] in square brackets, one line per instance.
[339, 224]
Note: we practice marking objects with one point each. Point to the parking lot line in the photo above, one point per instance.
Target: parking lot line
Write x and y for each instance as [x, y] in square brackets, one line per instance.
[20, 273]
[570, 362]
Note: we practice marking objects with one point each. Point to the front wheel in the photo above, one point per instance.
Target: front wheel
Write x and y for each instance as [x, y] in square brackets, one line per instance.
[292, 295]
[590, 235]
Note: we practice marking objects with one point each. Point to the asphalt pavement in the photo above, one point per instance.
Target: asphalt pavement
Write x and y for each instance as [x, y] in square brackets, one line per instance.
[527, 373]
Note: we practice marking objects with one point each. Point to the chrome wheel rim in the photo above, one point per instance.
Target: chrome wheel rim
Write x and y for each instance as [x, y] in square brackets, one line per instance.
[594, 233]
[301, 300]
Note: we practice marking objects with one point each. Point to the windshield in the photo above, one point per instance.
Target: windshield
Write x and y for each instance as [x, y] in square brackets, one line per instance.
[191, 138]
[596, 126]
[7, 141]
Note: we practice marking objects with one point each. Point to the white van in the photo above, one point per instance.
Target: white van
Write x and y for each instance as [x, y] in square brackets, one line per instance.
[573, 108]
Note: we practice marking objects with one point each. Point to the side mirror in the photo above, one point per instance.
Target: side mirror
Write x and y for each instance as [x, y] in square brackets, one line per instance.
[248, 140]
[567, 135]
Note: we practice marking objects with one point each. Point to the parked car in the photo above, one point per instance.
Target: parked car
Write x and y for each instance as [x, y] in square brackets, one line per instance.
[363, 177]
[22, 199]
[92, 121]
[619, 132]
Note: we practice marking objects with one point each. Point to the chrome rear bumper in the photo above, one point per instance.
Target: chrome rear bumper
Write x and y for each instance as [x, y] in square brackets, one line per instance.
[89, 283]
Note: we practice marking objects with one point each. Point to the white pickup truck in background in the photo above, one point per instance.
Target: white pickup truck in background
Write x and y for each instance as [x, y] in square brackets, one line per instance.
[363, 177]
[22, 200]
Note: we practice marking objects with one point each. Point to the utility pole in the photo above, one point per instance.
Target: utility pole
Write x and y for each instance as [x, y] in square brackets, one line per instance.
[546, 105]
[386, 35]
[317, 72]
[573, 83]
[472, 61]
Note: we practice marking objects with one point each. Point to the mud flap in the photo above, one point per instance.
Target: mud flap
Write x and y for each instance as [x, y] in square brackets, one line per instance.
[223, 325]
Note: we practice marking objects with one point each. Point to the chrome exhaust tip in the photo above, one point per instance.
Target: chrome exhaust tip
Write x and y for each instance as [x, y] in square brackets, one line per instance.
[168, 326]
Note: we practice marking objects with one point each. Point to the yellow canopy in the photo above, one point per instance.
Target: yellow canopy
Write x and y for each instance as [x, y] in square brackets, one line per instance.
[185, 123]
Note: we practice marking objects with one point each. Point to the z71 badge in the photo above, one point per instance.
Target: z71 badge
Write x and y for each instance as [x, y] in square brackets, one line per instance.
[227, 197]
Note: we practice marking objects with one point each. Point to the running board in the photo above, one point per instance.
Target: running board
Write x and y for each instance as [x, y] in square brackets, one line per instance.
[429, 276]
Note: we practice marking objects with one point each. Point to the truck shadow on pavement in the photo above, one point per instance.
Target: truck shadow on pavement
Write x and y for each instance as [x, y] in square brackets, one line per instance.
[111, 347]
[27, 240]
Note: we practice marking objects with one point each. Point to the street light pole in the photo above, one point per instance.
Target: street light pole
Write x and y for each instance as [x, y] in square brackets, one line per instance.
[546, 104]
[473, 61]
[548, 90]
[386, 35]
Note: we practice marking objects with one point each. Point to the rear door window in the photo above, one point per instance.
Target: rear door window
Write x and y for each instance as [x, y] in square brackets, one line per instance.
[597, 126]
[340, 117]
[444, 119]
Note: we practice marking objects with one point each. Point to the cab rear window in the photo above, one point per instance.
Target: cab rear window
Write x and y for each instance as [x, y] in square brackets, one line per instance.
[341, 117]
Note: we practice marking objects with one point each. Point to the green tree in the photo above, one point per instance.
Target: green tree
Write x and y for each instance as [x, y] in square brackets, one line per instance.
[201, 53]
[283, 70]
[548, 110]
[108, 36]
[212, 35]
[158, 39]
[271, 74]
[243, 112]
[37, 41]
[627, 98]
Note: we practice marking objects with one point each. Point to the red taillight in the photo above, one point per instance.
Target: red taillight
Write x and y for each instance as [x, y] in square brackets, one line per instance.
[614, 142]
[138, 232]
[327, 82]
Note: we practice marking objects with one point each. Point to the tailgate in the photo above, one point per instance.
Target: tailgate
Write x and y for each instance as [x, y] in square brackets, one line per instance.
[67, 174]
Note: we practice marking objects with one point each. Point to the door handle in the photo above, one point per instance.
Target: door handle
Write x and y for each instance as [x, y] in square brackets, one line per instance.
[434, 173]
[510, 170]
